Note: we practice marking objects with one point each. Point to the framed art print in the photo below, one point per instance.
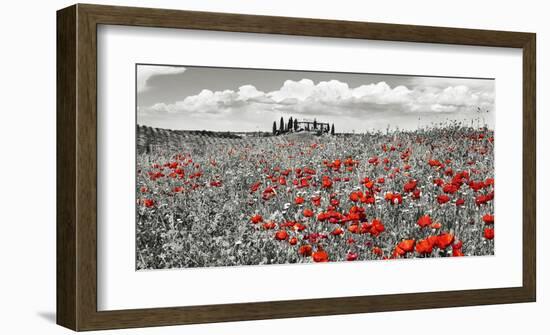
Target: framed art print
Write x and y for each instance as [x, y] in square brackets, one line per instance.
[235, 167]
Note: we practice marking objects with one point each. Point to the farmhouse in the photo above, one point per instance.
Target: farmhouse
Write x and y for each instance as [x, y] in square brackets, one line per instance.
[313, 125]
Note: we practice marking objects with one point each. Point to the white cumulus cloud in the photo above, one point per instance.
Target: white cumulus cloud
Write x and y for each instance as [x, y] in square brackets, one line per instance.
[144, 72]
[333, 99]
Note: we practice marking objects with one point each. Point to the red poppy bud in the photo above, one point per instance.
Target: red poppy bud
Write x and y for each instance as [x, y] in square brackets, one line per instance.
[489, 233]
[281, 235]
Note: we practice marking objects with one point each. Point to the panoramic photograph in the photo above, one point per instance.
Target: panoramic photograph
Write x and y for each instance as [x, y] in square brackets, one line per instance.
[240, 167]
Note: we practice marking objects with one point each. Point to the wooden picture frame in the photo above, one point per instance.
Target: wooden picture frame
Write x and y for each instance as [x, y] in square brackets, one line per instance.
[77, 166]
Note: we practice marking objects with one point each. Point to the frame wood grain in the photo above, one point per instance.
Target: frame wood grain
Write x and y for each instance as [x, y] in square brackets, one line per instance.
[77, 166]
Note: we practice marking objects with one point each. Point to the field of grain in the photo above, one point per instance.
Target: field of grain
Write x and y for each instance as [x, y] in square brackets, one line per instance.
[211, 199]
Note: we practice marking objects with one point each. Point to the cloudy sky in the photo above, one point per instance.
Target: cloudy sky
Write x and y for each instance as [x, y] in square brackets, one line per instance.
[229, 99]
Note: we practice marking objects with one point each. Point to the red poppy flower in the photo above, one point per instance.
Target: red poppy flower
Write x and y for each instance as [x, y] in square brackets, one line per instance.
[281, 235]
[299, 200]
[450, 188]
[298, 226]
[424, 247]
[435, 163]
[377, 227]
[424, 221]
[444, 240]
[457, 253]
[256, 218]
[305, 250]
[365, 228]
[443, 198]
[476, 185]
[393, 198]
[287, 224]
[320, 256]
[368, 183]
[397, 252]
[255, 187]
[143, 189]
[489, 233]
[416, 194]
[460, 202]
[155, 175]
[355, 196]
[352, 256]
[368, 199]
[308, 212]
[483, 199]
[406, 245]
[177, 189]
[377, 251]
[489, 219]
[323, 216]
[293, 241]
[269, 225]
[336, 164]
[436, 225]
[432, 239]
[316, 200]
[354, 228]
[410, 186]
[438, 181]
[309, 171]
[353, 216]
[148, 203]
[464, 175]
[326, 182]
[338, 231]
[303, 183]
[268, 193]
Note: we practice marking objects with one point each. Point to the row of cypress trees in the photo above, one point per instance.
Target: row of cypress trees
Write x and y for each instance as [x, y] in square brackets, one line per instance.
[292, 125]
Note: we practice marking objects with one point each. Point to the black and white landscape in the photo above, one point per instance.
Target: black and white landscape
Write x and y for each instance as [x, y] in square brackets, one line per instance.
[250, 167]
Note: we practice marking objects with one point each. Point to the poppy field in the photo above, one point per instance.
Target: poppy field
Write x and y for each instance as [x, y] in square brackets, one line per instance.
[209, 199]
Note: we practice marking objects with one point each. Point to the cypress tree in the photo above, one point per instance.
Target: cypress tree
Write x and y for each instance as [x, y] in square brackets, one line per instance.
[295, 124]
[282, 125]
[332, 129]
[274, 128]
[314, 123]
[290, 124]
